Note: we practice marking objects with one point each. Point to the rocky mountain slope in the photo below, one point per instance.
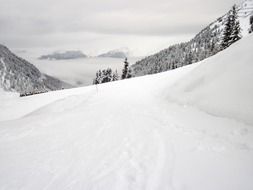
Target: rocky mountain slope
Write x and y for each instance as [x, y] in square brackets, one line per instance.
[205, 44]
[16, 74]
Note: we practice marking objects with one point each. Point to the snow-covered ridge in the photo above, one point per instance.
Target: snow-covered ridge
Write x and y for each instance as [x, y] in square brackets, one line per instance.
[16, 74]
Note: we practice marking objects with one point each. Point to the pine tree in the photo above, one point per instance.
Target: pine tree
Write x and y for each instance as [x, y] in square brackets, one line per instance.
[212, 47]
[126, 72]
[105, 76]
[115, 76]
[129, 74]
[236, 32]
[98, 78]
[232, 31]
[226, 40]
[251, 24]
[173, 66]
[189, 58]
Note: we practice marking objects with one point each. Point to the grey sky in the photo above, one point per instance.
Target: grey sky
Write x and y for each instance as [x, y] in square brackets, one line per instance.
[94, 26]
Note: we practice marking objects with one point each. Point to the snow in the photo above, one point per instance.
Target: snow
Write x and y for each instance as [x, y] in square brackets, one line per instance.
[186, 129]
[229, 76]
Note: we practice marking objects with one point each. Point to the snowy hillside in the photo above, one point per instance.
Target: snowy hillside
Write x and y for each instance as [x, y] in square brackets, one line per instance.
[205, 44]
[189, 128]
[16, 74]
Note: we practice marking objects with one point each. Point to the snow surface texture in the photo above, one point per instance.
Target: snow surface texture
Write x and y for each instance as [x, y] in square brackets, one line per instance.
[164, 131]
[16, 74]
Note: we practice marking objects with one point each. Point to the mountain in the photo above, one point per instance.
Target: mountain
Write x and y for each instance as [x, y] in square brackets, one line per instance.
[205, 44]
[117, 53]
[64, 55]
[189, 128]
[16, 74]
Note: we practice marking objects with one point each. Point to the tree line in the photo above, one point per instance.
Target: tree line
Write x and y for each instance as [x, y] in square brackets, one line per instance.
[232, 30]
[211, 40]
[107, 75]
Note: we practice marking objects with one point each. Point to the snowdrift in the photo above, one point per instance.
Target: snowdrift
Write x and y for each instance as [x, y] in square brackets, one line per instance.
[221, 85]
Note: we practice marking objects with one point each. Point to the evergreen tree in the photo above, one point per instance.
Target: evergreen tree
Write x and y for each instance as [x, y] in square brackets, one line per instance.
[129, 74]
[126, 72]
[236, 32]
[105, 76]
[98, 78]
[173, 66]
[189, 58]
[115, 76]
[212, 47]
[232, 31]
[251, 24]
[226, 40]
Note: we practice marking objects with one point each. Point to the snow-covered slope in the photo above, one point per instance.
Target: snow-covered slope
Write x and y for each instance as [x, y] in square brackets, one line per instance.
[164, 131]
[16, 74]
[221, 85]
[205, 44]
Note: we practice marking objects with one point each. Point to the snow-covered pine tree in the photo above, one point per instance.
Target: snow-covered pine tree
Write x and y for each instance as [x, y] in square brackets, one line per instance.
[173, 66]
[251, 24]
[115, 76]
[232, 31]
[129, 74]
[236, 32]
[98, 78]
[105, 76]
[226, 39]
[126, 72]
[189, 58]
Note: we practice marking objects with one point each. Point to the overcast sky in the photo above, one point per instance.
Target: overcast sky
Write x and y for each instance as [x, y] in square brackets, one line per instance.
[94, 26]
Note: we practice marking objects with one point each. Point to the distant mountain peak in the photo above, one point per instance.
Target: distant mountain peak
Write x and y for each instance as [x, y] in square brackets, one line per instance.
[64, 55]
[117, 53]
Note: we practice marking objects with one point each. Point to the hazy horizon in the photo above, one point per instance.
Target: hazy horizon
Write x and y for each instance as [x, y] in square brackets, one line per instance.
[95, 27]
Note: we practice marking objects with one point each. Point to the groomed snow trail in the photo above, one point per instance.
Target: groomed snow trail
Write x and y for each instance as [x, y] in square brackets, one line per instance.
[132, 135]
